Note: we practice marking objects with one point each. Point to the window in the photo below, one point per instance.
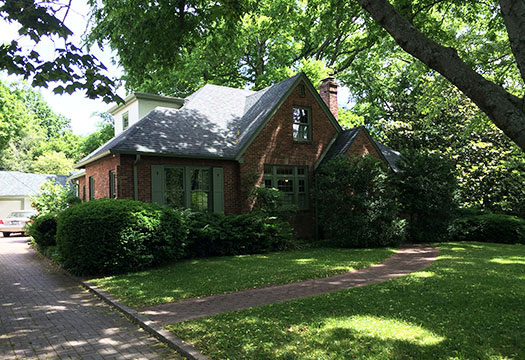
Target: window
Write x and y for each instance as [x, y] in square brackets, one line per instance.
[291, 180]
[91, 188]
[125, 120]
[112, 193]
[188, 187]
[302, 129]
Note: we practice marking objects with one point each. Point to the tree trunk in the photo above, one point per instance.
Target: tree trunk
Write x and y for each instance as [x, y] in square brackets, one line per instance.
[504, 109]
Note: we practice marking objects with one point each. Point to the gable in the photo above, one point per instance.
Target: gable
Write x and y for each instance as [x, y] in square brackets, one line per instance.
[274, 141]
[358, 142]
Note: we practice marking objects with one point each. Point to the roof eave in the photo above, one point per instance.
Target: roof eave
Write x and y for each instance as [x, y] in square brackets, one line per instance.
[83, 163]
[138, 95]
[176, 155]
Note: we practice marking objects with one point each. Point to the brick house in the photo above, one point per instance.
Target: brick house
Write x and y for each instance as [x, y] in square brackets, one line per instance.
[207, 151]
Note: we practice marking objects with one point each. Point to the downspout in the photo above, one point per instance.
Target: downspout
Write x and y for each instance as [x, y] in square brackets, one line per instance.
[316, 212]
[135, 178]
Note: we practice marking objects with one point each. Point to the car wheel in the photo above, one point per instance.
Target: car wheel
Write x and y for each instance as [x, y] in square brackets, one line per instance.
[6, 234]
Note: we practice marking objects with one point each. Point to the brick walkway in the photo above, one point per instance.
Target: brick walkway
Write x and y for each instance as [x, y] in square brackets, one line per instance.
[405, 261]
[45, 315]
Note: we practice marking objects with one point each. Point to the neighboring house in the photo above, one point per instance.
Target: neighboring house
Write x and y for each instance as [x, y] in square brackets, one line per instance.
[209, 150]
[16, 188]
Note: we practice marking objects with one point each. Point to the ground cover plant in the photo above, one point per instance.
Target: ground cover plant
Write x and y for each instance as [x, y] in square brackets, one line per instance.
[202, 277]
[466, 305]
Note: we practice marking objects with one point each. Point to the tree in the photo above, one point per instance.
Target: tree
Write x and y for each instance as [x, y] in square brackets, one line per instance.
[70, 66]
[504, 108]
[105, 131]
[36, 138]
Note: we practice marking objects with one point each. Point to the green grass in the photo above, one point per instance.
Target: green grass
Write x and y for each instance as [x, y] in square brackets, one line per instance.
[469, 304]
[203, 277]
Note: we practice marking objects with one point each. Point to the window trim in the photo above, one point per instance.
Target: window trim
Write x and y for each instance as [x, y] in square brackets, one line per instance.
[91, 188]
[186, 184]
[295, 176]
[125, 120]
[112, 185]
[308, 125]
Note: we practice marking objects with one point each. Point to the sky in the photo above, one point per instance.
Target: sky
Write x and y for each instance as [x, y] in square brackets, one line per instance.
[77, 106]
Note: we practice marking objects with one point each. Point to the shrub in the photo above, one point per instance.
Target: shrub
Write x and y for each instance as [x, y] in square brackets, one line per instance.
[53, 198]
[221, 235]
[272, 202]
[498, 228]
[426, 185]
[43, 230]
[357, 203]
[109, 236]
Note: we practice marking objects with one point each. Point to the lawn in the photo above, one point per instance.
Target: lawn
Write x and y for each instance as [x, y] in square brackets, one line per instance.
[469, 304]
[203, 277]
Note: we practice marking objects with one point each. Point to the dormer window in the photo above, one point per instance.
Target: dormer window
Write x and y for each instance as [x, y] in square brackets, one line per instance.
[125, 120]
[302, 124]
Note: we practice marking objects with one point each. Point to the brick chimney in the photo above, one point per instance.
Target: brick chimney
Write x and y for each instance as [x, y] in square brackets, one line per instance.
[328, 92]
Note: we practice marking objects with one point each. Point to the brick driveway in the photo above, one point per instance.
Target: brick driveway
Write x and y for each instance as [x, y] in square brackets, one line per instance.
[45, 315]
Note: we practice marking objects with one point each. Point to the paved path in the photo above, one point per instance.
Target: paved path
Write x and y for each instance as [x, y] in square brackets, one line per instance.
[45, 315]
[405, 261]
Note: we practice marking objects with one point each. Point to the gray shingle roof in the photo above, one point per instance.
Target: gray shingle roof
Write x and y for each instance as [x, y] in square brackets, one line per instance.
[345, 140]
[392, 156]
[216, 121]
[15, 183]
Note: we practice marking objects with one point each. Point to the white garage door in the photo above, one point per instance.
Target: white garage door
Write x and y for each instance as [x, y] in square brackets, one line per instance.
[6, 206]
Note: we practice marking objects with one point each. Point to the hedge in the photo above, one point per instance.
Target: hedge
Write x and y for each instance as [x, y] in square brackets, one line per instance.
[497, 228]
[43, 230]
[222, 235]
[110, 236]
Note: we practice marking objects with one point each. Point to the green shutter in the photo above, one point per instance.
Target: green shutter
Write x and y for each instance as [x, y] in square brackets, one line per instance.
[157, 185]
[218, 190]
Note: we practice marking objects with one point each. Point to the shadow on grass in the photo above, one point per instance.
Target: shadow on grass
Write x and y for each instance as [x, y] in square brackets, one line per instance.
[465, 305]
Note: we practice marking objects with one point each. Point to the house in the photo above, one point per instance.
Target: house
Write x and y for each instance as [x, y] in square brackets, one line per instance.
[16, 188]
[208, 150]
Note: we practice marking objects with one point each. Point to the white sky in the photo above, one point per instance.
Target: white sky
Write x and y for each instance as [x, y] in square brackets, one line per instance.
[77, 106]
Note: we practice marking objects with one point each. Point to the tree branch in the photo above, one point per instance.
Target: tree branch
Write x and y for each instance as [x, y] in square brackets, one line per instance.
[513, 12]
[501, 107]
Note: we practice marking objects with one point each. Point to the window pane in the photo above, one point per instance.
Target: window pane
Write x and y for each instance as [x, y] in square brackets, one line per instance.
[199, 200]
[301, 187]
[284, 171]
[174, 179]
[268, 183]
[301, 171]
[200, 179]
[285, 185]
[300, 116]
[174, 187]
[300, 132]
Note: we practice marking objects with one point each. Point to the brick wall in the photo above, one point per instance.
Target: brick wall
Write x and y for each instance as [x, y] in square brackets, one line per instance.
[230, 169]
[363, 146]
[81, 189]
[100, 172]
[275, 145]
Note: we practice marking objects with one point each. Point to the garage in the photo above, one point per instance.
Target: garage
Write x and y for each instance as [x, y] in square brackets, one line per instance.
[16, 188]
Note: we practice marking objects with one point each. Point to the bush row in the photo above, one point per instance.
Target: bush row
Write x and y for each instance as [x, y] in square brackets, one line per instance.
[108, 236]
[488, 227]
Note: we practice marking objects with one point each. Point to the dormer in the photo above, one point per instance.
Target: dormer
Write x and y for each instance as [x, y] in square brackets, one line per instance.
[137, 105]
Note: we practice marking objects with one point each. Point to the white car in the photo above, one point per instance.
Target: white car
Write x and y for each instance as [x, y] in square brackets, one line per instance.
[16, 222]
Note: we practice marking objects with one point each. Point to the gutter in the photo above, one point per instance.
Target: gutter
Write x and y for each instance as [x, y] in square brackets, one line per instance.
[135, 178]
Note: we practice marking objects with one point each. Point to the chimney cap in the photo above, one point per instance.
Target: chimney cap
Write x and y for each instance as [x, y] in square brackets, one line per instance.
[329, 79]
